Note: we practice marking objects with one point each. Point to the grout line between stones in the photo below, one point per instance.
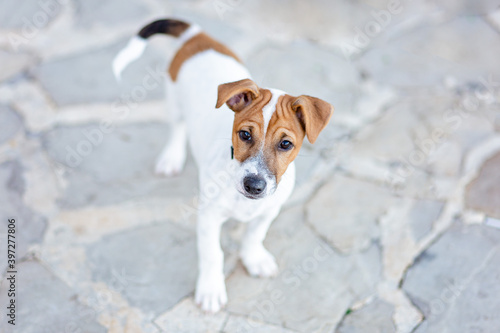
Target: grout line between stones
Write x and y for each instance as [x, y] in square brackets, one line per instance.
[224, 324]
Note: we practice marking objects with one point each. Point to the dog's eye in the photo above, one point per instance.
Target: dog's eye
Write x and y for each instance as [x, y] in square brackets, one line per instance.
[245, 136]
[286, 145]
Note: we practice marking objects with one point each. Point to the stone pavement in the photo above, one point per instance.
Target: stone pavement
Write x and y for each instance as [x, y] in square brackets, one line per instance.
[394, 223]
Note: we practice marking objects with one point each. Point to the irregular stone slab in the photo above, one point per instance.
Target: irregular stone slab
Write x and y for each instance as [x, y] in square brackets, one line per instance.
[483, 193]
[449, 166]
[312, 21]
[422, 216]
[455, 281]
[369, 151]
[11, 124]
[491, 222]
[345, 212]
[106, 168]
[30, 15]
[399, 247]
[374, 317]
[461, 47]
[13, 64]
[314, 162]
[109, 13]
[44, 304]
[94, 81]
[466, 8]
[32, 103]
[305, 165]
[316, 72]
[153, 267]
[245, 325]
[186, 317]
[415, 68]
[30, 227]
[426, 127]
[315, 285]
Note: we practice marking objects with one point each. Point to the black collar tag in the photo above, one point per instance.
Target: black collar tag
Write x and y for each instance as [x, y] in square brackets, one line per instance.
[232, 152]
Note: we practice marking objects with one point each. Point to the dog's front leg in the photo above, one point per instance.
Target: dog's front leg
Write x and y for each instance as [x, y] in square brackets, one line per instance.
[257, 260]
[210, 287]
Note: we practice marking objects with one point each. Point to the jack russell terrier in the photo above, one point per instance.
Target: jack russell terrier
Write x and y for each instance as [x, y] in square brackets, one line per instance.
[244, 150]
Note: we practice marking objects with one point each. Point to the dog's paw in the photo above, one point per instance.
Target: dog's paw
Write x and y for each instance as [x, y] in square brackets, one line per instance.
[211, 293]
[171, 161]
[259, 262]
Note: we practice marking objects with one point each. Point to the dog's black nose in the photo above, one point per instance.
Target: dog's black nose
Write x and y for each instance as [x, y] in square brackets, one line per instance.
[254, 185]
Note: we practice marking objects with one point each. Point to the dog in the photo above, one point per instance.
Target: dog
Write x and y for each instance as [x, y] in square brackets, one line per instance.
[244, 140]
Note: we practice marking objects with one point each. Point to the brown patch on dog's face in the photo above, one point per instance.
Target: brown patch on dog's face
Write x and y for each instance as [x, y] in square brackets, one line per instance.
[266, 150]
[294, 118]
[284, 137]
[250, 120]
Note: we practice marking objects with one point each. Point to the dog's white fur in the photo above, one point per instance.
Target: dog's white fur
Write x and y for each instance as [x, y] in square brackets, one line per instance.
[191, 103]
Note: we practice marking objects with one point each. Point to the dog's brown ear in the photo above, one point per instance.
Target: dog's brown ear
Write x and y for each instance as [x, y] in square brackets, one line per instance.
[313, 113]
[237, 95]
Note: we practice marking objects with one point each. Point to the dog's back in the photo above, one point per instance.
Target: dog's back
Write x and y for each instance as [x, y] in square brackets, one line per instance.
[198, 67]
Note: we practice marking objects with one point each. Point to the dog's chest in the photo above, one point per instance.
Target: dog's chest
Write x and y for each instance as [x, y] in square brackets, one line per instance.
[233, 204]
[245, 210]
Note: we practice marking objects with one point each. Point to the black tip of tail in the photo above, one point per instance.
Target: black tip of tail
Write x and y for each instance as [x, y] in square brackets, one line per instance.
[165, 26]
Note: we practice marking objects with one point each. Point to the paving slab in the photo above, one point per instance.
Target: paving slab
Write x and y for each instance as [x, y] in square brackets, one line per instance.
[305, 163]
[313, 20]
[422, 216]
[238, 324]
[454, 282]
[449, 166]
[33, 104]
[109, 13]
[296, 19]
[12, 123]
[29, 226]
[104, 167]
[345, 211]
[368, 155]
[376, 317]
[398, 124]
[453, 121]
[28, 16]
[45, 304]
[315, 286]
[483, 193]
[465, 8]
[153, 266]
[427, 55]
[304, 68]
[186, 317]
[427, 126]
[87, 78]
[13, 64]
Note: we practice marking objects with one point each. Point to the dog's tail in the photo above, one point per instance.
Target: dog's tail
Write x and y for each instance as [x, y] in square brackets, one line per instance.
[137, 44]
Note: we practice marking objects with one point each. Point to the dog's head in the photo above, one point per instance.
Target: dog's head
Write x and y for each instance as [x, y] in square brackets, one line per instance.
[268, 131]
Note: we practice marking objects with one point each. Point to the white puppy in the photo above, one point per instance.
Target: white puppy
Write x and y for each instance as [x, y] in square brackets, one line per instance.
[244, 150]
